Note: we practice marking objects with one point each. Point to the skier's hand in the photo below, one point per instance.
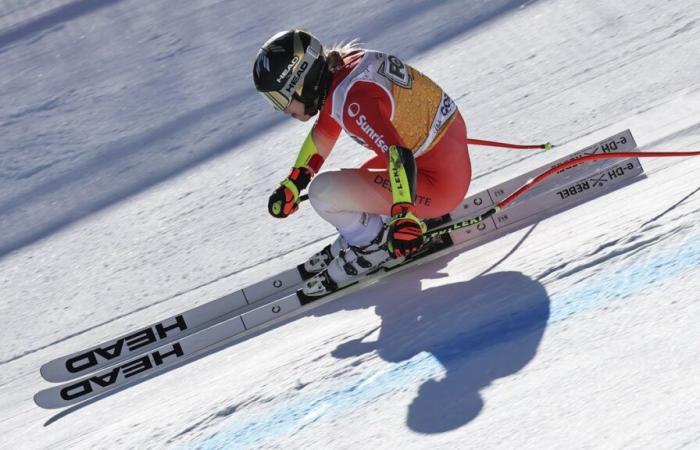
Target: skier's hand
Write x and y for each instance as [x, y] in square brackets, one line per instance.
[405, 231]
[285, 200]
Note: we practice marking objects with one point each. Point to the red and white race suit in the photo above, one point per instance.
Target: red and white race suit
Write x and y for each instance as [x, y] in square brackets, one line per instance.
[380, 101]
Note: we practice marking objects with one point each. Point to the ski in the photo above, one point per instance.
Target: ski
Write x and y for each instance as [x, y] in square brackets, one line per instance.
[150, 337]
[145, 339]
[155, 357]
[157, 334]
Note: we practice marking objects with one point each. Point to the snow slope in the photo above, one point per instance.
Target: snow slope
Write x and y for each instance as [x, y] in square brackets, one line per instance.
[134, 171]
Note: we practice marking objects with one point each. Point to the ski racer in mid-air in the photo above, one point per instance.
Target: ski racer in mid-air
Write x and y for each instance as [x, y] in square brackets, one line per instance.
[421, 168]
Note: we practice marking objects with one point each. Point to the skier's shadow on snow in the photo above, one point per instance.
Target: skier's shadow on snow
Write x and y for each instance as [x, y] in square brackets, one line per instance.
[479, 330]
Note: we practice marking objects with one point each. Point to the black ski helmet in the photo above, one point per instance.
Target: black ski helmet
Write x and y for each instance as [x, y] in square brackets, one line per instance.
[291, 64]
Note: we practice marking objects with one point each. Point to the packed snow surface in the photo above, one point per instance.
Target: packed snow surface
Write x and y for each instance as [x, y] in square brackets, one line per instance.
[135, 164]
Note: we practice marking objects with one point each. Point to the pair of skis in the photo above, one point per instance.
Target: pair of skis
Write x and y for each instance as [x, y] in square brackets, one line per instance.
[126, 360]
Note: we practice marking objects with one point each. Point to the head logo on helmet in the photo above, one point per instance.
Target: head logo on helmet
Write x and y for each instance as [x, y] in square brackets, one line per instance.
[286, 71]
[292, 65]
[295, 79]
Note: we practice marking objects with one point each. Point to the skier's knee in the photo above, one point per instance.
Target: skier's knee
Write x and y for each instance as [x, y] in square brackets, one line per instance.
[319, 191]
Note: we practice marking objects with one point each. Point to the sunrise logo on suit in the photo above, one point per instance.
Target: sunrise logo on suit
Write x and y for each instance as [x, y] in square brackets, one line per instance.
[361, 120]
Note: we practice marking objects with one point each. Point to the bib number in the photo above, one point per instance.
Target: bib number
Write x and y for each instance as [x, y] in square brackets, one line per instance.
[396, 71]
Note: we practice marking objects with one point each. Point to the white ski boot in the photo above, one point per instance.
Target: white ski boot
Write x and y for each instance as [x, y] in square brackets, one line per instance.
[320, 260]
[351, 264]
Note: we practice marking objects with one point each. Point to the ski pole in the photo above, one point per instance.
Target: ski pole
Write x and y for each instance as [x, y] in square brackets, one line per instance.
[539, 178]
[546, 145]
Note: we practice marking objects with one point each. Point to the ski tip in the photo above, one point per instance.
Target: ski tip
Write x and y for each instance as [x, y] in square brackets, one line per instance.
[47, 374]
[548, 146]
[40, 401]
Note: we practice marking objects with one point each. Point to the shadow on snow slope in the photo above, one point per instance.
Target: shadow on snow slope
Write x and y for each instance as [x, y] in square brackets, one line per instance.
[479, 330]
[451, 340]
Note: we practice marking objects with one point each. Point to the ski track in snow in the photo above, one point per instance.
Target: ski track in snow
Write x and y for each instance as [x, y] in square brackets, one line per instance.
[134, 152]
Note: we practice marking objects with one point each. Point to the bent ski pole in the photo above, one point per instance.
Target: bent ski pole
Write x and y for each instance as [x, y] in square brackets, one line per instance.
[546, 174]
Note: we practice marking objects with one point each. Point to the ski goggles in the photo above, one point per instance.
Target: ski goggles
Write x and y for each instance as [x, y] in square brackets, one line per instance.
[277, 99]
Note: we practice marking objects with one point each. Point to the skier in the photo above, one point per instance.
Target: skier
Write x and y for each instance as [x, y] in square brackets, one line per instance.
[421, 168]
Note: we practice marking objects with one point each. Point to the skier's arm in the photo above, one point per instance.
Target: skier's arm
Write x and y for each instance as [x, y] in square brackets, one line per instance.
[318, 144]
[402, 177]
[405, 228]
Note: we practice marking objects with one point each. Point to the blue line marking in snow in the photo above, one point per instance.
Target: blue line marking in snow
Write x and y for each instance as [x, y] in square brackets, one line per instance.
[301, 411]
[292, 416]
[601, 290]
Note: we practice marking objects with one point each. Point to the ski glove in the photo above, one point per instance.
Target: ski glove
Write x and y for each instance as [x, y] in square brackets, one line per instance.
[405, 231]
[285, 200]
